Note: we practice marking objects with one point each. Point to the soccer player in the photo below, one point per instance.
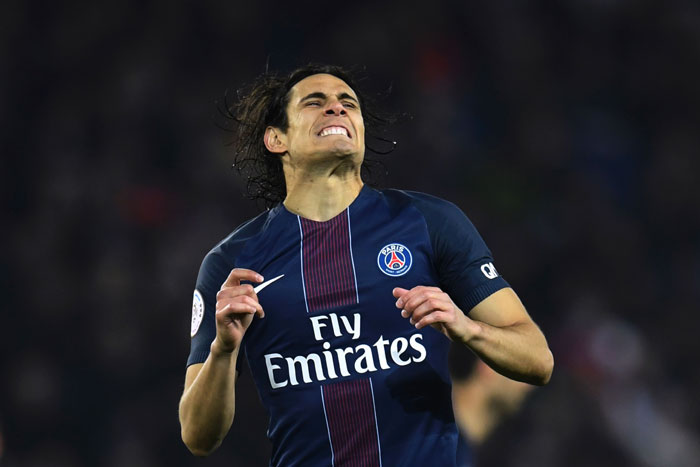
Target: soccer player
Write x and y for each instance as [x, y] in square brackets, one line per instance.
[358, 293]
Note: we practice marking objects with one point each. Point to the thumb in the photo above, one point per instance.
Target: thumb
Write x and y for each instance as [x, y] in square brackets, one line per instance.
[239, 274]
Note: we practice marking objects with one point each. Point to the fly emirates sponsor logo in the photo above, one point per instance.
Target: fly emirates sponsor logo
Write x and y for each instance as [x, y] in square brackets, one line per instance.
[341, 362]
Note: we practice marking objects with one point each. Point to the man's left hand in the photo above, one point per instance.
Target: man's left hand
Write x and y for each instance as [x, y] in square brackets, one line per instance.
[425, 306]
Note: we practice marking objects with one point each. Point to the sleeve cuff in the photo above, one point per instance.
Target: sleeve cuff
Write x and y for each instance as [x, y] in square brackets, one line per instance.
[199, 356]
[479, 293]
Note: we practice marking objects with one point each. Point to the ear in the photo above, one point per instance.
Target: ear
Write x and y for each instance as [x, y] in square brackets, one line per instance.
[275, 140]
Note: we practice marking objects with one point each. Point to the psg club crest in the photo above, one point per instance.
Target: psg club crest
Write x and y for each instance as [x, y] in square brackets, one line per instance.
[394, 260]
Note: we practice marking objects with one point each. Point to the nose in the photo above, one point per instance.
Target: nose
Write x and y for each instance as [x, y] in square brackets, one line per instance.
[335, 108]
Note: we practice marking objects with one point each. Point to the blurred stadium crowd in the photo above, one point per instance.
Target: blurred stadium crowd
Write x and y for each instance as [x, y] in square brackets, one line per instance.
[567, 131]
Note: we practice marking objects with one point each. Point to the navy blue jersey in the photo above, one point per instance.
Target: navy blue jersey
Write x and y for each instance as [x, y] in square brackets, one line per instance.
[345, 379]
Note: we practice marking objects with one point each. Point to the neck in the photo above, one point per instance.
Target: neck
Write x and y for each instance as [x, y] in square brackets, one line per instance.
[321, 193]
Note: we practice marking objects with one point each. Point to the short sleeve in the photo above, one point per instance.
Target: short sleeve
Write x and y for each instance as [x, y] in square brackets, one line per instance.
[215, 268]
[464, 263]
[212, 274]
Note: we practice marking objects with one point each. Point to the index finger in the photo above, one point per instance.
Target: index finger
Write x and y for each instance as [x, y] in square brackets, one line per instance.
[239, 274]
[397, 292]
[404, 296]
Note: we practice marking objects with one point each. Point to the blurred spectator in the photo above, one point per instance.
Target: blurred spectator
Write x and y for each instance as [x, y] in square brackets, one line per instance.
[482, 399]
[614, 363]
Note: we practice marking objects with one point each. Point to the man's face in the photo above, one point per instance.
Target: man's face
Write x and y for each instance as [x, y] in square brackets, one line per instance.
[324, 120]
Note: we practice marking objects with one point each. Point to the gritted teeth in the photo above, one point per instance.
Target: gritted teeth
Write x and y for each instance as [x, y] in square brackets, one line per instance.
[334, 130]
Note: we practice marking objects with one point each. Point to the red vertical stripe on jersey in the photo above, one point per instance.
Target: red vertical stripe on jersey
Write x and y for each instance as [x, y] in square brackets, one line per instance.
[352, 424]
[329, 279]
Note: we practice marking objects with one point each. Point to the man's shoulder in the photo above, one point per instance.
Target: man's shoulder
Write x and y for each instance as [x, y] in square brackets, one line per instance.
[430, 206]
[237, 239]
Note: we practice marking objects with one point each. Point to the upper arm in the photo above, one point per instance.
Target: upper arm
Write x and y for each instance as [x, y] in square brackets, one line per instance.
[211, 275]
[501, 309]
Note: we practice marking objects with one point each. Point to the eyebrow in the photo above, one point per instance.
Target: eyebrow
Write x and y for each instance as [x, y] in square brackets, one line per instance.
[320, 95]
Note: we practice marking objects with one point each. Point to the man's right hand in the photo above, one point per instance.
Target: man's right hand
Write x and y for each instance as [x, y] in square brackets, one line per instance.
[236, 305]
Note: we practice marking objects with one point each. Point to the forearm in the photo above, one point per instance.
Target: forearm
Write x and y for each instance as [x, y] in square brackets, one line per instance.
[207, 406]
[518, 351]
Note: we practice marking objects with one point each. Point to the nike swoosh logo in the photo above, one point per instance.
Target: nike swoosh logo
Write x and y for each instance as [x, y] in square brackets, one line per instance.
[259, 287]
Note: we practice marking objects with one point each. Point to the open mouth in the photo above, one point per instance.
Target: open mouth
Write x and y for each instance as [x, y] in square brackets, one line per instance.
[334, 130]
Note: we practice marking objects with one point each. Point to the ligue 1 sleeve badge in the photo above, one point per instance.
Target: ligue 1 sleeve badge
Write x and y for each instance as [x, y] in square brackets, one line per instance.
[394, 260]
[197, 312]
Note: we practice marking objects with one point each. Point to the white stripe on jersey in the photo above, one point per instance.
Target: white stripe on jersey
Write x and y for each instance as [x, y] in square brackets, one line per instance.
[352, 259]
[374, 407]
[301, 262]
[328, 428]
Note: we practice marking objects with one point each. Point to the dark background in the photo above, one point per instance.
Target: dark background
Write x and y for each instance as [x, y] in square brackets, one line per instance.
[567, 131]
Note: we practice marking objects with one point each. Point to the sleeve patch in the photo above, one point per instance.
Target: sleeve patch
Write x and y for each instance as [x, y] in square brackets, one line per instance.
[197, 312]
[489, 271]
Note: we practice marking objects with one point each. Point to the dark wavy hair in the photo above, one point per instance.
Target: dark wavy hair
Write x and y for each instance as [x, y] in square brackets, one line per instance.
[264, 103]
